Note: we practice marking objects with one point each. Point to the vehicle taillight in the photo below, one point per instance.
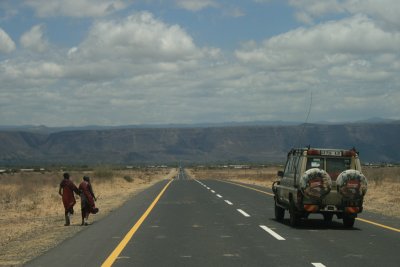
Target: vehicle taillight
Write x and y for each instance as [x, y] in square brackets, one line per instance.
[311, 208]
[352, 209]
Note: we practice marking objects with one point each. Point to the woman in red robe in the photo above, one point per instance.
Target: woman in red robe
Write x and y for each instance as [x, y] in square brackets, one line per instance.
[66, 190]
[87, 200]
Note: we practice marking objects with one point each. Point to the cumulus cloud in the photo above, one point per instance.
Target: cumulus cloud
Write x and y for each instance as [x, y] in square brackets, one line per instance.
[135, 44]
[341, 60]
[353, 36]
[30, 74]
[34, 39]
[7, 45]
[75, 8]
[139, 36]
[360, 70]
[123, 65]
[385, 11]
[315, 8]
[195, 5]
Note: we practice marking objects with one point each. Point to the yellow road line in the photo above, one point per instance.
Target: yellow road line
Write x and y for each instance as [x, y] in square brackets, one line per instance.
[270, 194]
[360, 219]
[380, 225]
[113, 256]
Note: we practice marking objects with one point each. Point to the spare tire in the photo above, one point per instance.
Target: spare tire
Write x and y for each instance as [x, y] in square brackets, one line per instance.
[352, 184]
[315, 183]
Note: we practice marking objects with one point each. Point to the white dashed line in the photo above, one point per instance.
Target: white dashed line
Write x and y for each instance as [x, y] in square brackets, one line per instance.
[186, 256]
[243, 213]
[269, 231]
[212, 191]
[218, 195]
[123, 257]
[317, 264]
[228, 202]
[208, 188]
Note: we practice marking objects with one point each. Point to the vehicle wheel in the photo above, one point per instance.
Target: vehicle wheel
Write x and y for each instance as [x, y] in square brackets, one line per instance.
[348, 221]
[328, 217]
[294, 217]
[279, 213]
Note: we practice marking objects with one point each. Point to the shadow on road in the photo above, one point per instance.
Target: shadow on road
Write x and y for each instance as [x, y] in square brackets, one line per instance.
[318, 224]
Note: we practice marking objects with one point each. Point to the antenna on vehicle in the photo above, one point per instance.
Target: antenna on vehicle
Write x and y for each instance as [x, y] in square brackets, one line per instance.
[301, 135]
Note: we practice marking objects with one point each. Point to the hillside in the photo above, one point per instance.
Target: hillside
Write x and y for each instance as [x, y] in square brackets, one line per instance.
[377, 142]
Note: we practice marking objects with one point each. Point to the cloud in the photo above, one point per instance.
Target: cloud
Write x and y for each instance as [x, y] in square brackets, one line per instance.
[8, 10]
[34, 39]
[119, 60]
[384, 12]
[234, 12]
[195, 5]
[138, 36]
[75, 8]
[340, 60]
[135, 44]
[360, 70]
[132, 70]
[315, 8]
[7, 45]
[355, 36]
[26, 74]
[304, 18]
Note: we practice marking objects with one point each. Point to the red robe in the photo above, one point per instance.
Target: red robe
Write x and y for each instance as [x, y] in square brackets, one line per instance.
[87, 197]
[68, 189]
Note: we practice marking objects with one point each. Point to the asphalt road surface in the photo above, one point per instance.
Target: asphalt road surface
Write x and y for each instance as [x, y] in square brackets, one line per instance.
[187, 222]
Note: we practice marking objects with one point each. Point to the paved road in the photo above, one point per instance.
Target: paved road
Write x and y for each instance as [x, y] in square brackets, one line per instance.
[214, 223]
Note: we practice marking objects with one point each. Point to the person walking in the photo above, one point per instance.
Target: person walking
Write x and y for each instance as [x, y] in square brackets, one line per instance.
[87, 200]
[66, 190]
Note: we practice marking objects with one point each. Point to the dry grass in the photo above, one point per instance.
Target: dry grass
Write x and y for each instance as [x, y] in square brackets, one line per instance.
[383, 194]
[33, 215]
[258, 176]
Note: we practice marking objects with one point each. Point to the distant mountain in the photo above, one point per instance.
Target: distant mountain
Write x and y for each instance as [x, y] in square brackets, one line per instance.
[377, 142]
[378, 120]
[45, 129]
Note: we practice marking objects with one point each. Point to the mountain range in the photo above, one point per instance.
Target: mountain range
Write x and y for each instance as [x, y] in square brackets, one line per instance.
[376, 142]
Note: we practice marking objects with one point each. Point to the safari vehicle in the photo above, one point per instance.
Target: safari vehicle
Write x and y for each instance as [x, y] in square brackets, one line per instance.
[325, 181]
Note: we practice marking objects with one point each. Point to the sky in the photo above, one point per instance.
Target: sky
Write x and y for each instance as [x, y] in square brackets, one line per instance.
[126, 62]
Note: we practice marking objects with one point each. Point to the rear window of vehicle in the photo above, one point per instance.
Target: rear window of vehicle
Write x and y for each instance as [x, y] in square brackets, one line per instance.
[315, 163]
[333, 166]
